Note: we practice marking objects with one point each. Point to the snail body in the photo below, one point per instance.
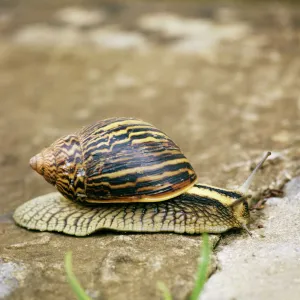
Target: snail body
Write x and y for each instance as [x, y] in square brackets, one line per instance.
[124, 174]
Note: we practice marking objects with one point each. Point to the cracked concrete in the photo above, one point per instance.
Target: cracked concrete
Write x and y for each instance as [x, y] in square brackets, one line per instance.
[268, 265]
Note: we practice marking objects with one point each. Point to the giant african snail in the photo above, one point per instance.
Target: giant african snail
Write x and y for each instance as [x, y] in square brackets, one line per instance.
[124, 174]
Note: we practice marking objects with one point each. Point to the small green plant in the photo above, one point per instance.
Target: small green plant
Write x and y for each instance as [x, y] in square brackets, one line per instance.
[201, 273]
[165, 291]
[199, 283]
[202, 268]
[74, 283]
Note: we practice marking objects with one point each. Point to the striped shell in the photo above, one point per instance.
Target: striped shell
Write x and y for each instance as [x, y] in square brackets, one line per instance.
[116, 160]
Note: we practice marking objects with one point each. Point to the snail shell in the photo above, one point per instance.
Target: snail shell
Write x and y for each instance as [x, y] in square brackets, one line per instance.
[116, 160]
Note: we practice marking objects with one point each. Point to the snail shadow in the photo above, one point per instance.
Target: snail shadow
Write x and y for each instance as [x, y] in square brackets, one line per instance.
[105, 232]
[7, 218]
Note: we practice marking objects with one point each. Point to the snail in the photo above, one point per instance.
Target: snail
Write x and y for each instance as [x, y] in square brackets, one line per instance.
[124, 174]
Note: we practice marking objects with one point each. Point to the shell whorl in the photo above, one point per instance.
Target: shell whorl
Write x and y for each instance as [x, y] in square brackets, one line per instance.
[61, 165]
[71, 177]
[128, 160]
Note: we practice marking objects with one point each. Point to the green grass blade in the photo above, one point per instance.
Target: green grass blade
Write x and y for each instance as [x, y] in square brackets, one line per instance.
[202, 268]
[74, 283]
[165, 291]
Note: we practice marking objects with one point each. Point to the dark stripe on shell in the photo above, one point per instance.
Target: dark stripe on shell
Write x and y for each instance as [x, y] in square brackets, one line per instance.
[132, 144]
[164, 185]
[120, 158]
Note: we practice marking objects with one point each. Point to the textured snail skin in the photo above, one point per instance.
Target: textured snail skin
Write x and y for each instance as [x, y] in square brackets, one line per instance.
[188, 213]
[116, 160]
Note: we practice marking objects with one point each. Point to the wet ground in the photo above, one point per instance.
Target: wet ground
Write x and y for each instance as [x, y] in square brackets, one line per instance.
[221, 80]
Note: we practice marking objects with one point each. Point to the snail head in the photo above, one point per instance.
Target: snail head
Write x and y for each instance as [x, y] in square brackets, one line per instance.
[240, 206]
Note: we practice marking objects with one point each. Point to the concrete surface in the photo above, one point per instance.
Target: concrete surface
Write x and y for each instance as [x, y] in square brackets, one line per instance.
[268, 265]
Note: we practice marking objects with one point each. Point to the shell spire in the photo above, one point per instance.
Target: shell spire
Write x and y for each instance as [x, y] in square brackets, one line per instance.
[44, 164]
[61, 165]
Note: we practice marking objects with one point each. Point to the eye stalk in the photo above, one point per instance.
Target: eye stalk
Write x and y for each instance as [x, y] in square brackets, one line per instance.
[244, 188]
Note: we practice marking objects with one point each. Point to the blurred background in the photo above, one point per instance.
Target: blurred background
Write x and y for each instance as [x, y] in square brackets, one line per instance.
[220, 78]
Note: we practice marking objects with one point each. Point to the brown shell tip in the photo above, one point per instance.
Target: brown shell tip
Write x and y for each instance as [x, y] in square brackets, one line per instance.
[32, 162]
[36, 163]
